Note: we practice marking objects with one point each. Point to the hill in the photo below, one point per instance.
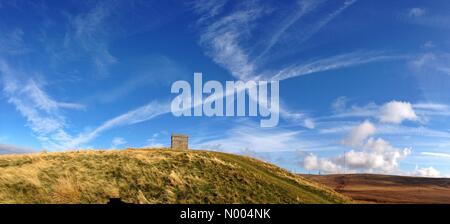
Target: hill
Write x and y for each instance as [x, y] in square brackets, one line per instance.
[372, 188]
[152, 176]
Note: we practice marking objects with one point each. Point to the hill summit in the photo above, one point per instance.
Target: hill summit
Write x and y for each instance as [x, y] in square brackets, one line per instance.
[152, 176]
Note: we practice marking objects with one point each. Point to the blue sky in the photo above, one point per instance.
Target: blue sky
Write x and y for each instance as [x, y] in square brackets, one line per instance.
[364, 85]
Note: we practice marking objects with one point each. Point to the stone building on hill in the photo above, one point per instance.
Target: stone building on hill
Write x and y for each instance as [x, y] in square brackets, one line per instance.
[179, 142]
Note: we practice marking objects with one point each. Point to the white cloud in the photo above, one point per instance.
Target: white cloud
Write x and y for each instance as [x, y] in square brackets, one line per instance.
[377, 154]
[396, 112]
[358, 134]
[117, 141]
[312, 162]
[368, 154]
[426, 172]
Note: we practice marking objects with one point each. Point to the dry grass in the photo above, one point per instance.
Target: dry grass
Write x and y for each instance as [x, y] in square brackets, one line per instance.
[152, 176]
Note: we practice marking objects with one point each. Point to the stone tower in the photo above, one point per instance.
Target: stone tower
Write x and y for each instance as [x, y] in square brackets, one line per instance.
[179, 142]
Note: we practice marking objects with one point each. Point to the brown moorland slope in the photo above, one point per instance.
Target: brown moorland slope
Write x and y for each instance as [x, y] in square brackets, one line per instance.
[373, 188]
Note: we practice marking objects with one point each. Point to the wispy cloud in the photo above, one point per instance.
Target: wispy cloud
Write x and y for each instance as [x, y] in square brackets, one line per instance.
[226, 42]
[150, 72]
[436, 154]
[420, 131]
[390, 111]
[251, 137]
[12, 42]
[43, 101]
[430, 61]
[340, 127]
[391, 115]
[296, 117]
[225, 39]
[432, 106]
[324, 21]
[207, 8]
[302, 8]
[222, 39]
[295, 32]
[141, 114]
[330, 63]
[88, 30]
[92, 30]
[43, 113]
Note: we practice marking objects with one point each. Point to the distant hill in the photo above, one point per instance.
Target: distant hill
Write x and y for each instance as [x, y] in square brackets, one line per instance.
[372, 188]
[152, 176]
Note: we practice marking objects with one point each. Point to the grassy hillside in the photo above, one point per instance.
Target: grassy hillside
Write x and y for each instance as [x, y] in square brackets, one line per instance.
[374, 188]
[152, 176]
